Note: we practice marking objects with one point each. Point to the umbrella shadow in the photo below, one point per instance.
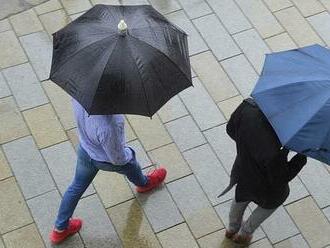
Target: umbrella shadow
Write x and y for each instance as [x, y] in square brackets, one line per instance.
[134, 234]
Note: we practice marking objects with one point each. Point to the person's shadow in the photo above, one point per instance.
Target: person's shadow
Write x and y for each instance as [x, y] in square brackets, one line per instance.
[227, 243]
[132, 237]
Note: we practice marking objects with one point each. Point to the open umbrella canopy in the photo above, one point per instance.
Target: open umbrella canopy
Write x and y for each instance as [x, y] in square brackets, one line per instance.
[121, 60]
[294, 93]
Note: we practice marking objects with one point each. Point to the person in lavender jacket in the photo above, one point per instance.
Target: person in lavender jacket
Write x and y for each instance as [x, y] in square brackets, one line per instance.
[102, 147]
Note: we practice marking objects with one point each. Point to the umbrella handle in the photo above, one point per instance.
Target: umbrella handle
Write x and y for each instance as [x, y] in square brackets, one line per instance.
[315, 150]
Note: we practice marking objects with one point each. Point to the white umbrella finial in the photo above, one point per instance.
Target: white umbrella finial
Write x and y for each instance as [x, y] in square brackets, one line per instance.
[122, 27]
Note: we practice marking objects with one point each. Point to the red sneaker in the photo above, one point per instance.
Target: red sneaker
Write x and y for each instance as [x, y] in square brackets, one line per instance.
[230, 234]
[155, 178]
[58, 237]
[244, 240]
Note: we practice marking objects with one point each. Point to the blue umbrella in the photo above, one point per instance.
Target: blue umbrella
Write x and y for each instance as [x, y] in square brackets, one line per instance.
[293, 92]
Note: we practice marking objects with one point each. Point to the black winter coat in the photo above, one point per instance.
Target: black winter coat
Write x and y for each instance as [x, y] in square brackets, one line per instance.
[261, 170]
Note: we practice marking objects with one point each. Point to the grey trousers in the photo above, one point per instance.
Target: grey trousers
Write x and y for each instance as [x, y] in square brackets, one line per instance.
[252, 223]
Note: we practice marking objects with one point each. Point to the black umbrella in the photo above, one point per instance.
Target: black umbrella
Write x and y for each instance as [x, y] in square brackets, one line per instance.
[121, 60]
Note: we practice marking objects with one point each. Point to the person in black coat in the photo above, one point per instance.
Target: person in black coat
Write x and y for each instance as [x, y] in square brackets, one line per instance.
[261, 170]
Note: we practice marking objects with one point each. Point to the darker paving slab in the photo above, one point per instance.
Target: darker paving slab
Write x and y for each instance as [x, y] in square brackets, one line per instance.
[194, 206]
[61, 160]
[15, 6]
[98, 231]
[25, 86]
[209, 172]
[28, 166]
[44, 210]
[38, 48]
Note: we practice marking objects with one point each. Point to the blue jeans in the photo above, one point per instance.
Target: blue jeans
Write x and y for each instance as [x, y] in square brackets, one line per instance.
[86, 170]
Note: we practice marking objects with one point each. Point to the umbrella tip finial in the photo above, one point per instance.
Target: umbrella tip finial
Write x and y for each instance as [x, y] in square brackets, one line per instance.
[122, 27]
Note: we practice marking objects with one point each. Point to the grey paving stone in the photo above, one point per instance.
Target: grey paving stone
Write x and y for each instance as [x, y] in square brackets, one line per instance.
[159, 208]
[228, 106]
[44, 211]
[25, 86]
[275, 5]
[134, 2]
[298, 27]
[147, 129]
[279, 218]
[195, 8]
[14, 212]
[223, 145]
[281, 42]
[216, 37]
[263, 243]
[4, 25]
[242, 74]
[141, 155]
[111, 2]
[98, 231]
[75, 16]
[326, 3]
[171, 158]
[223, 211]
[293, 242]
[209, 172]
[253, 47]
[39, 50]
[194, 205]
[297, 191]
[48, 6]
[326, 211]
[26, 22]
[185, 133]
[193, 74]
[230, 15]
[317, 180]
[309, 8]
[213, 77]
[4, 89]
[15, 6]
[195, 41]
[177, 236]
[61, 161]
[28, 166]
[12, 125]
[204, 119]
[73, 7]
[261, 18]
[173, 109]
[165, 6]
[11, 52]
[54, 21]
[321, 23]
[311, 221]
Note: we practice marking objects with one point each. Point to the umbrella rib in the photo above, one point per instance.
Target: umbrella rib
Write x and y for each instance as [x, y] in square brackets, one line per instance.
[76, 53]
[163, 54]
[295, 82]
[302, 126]
[144, 89]
[110, 56]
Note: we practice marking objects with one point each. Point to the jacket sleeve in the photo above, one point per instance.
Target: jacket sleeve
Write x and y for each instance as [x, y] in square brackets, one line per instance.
[280, 171]
[295, 165]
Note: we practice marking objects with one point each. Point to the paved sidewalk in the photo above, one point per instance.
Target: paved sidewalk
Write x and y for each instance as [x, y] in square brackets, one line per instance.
[228, 40]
